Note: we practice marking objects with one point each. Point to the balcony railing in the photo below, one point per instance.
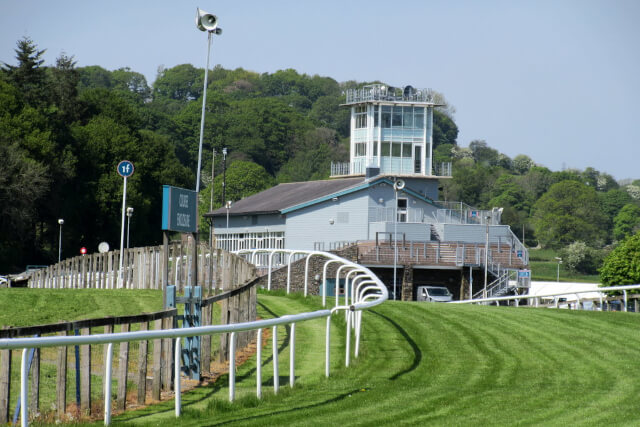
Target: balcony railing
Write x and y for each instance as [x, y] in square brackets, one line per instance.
[380, 214]
[388, 168]
[378, 92]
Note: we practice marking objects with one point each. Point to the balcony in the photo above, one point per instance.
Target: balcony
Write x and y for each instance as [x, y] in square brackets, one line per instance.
[391, 167]
[378, 92]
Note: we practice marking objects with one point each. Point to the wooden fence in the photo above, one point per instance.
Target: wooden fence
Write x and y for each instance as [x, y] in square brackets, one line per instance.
[90, 366]
[235, 277]
[142, 269]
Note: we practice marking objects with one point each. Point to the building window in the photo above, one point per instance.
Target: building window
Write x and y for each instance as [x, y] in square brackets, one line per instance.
[386, 149]
[402, 210]
[418, 118]
[376, 123]
[396, 117]
[361, 149]
[361, 116]
[386, 116]
[260, 240]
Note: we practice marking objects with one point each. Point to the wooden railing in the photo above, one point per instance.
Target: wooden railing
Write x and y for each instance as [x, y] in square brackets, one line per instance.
[142, 269]
[234, 289]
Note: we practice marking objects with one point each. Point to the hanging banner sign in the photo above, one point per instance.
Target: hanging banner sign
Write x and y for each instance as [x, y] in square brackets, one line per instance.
[178, 209]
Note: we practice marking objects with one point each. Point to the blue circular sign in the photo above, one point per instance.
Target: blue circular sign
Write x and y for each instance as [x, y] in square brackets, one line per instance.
[125, 168]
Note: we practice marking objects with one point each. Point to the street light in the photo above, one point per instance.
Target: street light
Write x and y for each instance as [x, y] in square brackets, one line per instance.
[224, 174]
[129, 215]
[559, 262]
[209, 23]
[397, 186]
[486, 256]
[61, 222]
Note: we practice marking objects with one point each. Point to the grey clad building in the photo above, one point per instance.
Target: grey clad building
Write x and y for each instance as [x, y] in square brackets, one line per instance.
[442, 243]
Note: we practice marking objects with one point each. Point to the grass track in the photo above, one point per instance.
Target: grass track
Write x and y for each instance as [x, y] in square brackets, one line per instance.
[436, 364]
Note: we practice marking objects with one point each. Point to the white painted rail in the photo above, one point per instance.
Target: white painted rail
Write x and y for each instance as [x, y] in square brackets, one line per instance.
[362, 298]
[555, 295]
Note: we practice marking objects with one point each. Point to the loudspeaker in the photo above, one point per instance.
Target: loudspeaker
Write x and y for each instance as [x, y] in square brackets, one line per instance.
[398, 185]
[206, 21]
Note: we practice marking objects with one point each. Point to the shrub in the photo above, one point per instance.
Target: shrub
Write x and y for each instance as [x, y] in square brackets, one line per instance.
[580, 258]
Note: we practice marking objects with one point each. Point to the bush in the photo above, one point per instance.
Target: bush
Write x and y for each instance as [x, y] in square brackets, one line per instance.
[580, 258]
[622, 266]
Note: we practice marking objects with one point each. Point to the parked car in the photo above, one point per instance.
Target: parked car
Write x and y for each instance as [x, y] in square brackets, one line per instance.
[434, 294]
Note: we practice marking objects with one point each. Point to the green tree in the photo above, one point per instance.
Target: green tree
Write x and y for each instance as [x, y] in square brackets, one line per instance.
[580, 258]
[313, 156]
[567, 213]
[522, 164]
[626, 222]
[622, 265]
[29, 75]
[23, 182]
[244, 178]
[64, 88]
[182, 82]
[445, 130]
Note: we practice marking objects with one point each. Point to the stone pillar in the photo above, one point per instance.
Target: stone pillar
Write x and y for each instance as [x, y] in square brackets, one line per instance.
[464, 287]
[407, 283]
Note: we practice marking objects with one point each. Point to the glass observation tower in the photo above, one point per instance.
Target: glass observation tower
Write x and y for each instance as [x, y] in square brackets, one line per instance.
[392, 131]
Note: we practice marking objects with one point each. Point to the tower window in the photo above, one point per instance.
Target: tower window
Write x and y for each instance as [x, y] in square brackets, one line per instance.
[361, 116]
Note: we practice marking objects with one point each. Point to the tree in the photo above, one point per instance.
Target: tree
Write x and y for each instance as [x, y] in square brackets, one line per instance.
[580, 258]
[567, 213]
[182, 82]
[611, 202]
[445, 130]
[622, 265]
[484, 154]
[314, 153]
[626, 222]
[244, 178]
[29, 75]
[23, 182]
[64, 88]
[522, 164]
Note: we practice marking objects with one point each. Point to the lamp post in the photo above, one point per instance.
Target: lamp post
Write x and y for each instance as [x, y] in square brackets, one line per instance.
[486, 256]
[213, 162]
[228, 206]
[61, 223]
[558, 274]
[129, 215]
[209, 23]
[224, 174]
[397, 186]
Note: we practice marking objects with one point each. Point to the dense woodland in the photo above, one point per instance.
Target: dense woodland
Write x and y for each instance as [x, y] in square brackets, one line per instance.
[63, 130]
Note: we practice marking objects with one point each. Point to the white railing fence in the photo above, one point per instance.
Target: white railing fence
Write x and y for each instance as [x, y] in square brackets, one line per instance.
[366, 291]
[555, 296]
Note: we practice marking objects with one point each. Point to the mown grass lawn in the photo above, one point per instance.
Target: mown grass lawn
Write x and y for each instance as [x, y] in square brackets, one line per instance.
[436, 364]
[25, 307]
[544, 267]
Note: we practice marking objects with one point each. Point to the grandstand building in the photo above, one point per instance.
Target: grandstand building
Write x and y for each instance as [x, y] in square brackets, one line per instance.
[385, 201]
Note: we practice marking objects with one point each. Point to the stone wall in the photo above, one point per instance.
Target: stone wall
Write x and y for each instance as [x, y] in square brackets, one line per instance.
[316, 265]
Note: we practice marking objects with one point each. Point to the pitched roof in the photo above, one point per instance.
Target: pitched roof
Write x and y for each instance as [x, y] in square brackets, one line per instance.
[284, 196]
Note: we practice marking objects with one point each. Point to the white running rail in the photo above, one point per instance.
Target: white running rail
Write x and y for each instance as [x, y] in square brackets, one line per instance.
[555, 296]
[366, 289]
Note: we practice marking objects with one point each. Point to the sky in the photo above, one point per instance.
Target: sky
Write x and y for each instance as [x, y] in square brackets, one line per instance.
[556, 80]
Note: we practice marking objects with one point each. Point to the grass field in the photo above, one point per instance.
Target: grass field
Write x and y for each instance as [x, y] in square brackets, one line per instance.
[24, 307]
[434, 364]
[544, 267]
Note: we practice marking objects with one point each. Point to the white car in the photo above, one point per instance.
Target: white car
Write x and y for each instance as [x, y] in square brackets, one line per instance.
[434, 294]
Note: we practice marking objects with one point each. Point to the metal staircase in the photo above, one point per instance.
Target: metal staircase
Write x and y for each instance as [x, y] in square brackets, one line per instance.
[497, 288]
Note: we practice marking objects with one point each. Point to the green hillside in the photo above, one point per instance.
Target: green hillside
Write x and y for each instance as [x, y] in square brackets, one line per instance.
[437, 364]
